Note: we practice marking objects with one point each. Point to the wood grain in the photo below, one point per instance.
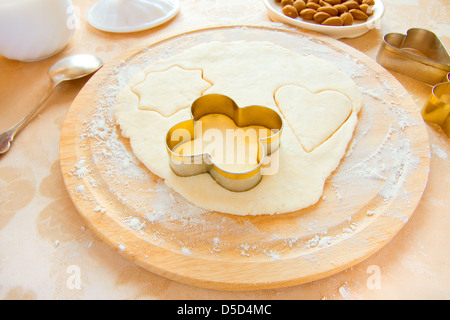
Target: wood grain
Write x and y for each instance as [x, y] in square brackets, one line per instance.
[356, 217]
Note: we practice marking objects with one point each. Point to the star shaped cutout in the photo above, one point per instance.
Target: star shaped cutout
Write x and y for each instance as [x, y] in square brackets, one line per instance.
[170, 90]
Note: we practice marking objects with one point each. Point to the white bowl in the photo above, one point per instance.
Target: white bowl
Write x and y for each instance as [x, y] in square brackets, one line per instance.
[122, 16]
[32, 30]
[355, 30]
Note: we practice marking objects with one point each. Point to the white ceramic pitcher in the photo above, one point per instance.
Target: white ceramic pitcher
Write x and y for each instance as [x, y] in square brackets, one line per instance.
[35, 29]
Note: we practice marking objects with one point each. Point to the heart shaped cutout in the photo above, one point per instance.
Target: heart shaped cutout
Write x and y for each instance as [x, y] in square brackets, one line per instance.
[313, 117]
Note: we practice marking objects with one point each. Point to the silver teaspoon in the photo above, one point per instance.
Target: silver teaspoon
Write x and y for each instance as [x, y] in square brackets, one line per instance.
[69, 68]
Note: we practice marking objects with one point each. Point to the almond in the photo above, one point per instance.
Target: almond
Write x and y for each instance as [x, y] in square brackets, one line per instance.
[333, 21]
[366, 9]
[333, 2]
[341, 8]
[299, 5]
[332, 11]
[313, 5]
[358, 14]
[351, 4]
[290, 11]
[324, 4]
[307, 14]
[287, 2]
[320, 17]
[347, 18]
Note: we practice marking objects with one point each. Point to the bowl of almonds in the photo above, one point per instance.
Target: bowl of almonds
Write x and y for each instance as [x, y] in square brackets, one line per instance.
[335, 18]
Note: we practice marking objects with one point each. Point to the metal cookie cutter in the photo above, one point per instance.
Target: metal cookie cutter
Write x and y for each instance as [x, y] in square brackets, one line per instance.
[421, 55]
[437, 108]
[188, 165]
[418, 54]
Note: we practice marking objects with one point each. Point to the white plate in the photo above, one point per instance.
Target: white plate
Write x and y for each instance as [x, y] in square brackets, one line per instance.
[355, 30]
[132, 15]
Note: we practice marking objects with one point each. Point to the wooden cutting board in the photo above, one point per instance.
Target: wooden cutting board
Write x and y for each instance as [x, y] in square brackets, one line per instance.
[365, 202]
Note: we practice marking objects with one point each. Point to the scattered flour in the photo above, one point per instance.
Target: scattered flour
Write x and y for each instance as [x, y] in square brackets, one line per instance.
[80, 168]
[344, 291]
[186, 251]
[274, 255]
[439, 152]
[350, 228]
[99, 209]
[169, 206]
[135, 223]
[317, 241]
[406, 163]
[80, 189]
[324, 242]
[216, 245]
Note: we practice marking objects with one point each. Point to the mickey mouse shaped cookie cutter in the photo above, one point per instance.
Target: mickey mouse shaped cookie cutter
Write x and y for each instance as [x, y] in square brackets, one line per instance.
[203, 162]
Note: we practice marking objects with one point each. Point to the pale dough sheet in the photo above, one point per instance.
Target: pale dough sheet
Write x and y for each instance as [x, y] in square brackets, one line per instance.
[250, 73]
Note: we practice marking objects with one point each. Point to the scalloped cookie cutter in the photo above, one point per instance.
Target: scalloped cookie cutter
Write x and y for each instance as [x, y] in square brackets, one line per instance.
[189, 165]
[421, 55]
[437, 108]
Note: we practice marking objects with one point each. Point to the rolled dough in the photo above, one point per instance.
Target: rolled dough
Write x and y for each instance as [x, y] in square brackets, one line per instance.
[251, 73]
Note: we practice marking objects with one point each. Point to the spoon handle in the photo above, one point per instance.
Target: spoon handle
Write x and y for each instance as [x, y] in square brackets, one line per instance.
[25, 120]
[8, 136]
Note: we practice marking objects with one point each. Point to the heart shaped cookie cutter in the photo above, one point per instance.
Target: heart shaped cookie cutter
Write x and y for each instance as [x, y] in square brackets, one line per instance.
[421, 55]
[193, 164]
